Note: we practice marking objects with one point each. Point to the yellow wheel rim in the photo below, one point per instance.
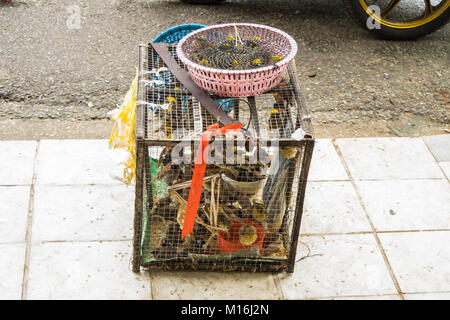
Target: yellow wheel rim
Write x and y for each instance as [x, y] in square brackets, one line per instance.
[430, 14]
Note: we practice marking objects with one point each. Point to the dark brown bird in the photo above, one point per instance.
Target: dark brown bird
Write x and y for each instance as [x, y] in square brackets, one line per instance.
[169, 173]
[173, 235]
[276, 117]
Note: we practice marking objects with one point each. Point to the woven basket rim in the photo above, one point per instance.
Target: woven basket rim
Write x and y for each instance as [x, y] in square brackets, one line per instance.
[278, 64]
[177, 28]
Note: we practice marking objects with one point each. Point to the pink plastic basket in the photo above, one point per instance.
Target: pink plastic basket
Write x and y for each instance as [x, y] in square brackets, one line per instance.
[239, 83]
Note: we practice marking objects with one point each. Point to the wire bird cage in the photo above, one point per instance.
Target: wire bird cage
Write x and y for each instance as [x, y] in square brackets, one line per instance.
[250, 208]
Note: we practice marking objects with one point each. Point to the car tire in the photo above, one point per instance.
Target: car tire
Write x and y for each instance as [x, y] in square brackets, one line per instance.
[396, 31]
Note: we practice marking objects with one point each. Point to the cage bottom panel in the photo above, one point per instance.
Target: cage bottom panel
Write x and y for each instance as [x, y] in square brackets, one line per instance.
[217, 265]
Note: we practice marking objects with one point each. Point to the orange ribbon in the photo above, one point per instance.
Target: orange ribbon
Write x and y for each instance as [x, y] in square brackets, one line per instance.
[199, 172]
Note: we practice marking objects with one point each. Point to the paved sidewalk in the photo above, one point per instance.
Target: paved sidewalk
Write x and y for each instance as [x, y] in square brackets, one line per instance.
[376, 220]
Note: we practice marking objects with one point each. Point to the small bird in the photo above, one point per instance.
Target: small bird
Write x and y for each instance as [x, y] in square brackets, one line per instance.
[275, 118]
[223, 219]
[279, 98]
[273, 245]
[271, 237]
[181, 214]
[169, 173]
[259, 212]
[288, 152]
[173, 235]
[276, 248]
[167, 107]
[277, 58]
[201, 42]
[248, 234]
[256, 63]
[254, 43]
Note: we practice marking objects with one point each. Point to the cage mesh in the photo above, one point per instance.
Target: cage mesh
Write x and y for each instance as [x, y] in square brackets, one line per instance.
[252, 194]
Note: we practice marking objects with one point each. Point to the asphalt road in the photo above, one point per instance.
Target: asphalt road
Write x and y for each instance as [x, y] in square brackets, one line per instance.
[48, 71]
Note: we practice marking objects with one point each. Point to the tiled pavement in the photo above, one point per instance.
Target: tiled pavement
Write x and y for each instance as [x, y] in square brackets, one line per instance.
[376, 223]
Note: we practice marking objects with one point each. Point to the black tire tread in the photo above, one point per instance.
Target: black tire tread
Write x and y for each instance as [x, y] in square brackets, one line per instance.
[397, 34]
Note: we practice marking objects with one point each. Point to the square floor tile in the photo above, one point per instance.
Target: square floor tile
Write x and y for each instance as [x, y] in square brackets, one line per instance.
[80, 212]
[87, 270]
[347, 265]
[389, 158]
[17, 160]
[12, 261]
[213, 286]
[13, 213]
[440, 146]
[428, 296]
[408, 204]
[77, 162]
[446, 168]
[325, 163]
[420, 260]
[332, 207]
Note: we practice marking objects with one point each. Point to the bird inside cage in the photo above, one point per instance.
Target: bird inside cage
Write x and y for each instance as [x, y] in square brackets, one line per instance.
[232, 53]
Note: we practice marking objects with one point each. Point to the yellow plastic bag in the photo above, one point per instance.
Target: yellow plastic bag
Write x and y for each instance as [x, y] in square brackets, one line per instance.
[122, 135]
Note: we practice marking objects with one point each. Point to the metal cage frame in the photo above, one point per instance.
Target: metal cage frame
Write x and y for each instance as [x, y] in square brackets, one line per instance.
[144, 141]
